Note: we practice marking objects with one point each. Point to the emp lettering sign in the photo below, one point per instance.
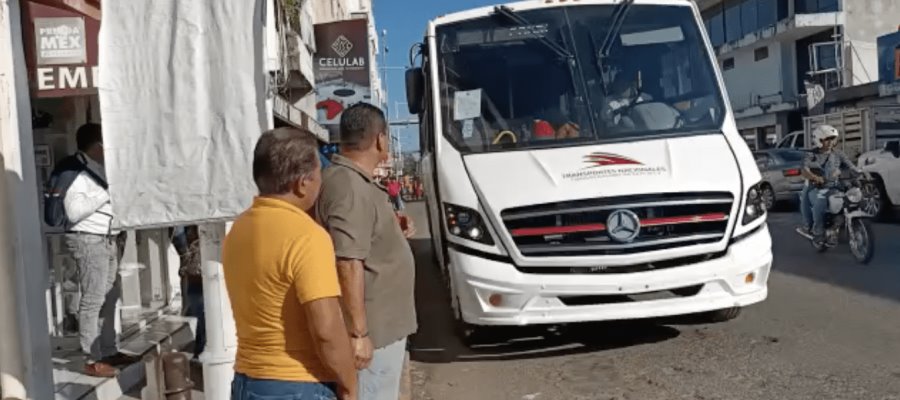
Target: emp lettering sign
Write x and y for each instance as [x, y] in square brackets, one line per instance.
[60, 40]
[54, 78]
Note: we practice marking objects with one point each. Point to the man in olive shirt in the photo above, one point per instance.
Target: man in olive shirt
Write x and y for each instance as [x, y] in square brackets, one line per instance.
[375, 264]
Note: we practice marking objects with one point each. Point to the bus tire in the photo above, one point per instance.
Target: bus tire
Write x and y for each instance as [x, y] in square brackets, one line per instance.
[723, 315]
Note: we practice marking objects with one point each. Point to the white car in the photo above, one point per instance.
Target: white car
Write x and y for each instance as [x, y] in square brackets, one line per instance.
[884, 166]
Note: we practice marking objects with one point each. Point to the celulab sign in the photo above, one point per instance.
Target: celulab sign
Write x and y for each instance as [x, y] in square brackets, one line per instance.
[342, 70]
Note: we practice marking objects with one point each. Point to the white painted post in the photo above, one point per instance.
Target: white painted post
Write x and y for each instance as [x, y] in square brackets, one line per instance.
[25, 340]
[130, 270]
[12, 366]
[221, 338]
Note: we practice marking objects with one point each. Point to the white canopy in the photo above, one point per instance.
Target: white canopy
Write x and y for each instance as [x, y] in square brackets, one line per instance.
[182, 96]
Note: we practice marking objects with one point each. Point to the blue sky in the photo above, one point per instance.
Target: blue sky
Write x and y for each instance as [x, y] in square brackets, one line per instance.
[405, 21]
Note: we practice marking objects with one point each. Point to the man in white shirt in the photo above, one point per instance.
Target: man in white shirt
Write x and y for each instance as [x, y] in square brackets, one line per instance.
[96, 249]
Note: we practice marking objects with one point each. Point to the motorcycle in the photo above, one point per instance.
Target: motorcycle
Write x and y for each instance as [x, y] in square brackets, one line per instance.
[846, 214]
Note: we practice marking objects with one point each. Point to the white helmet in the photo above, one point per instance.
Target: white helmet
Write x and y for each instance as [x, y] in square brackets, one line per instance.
[823, 132]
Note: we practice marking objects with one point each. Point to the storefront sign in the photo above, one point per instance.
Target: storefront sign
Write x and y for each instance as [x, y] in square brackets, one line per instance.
[66, 78]
[61, 50]
[60, 41]
[342, 70]
[889, 64]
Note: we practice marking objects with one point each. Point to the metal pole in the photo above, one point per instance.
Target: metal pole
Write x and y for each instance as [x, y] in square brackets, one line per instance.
[25, 367]
[221, 337]
[384, 79]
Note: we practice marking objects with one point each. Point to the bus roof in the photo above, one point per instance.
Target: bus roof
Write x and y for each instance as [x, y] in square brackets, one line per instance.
[536, 4]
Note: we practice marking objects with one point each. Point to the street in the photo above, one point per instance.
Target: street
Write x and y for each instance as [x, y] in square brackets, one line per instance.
[829, 330]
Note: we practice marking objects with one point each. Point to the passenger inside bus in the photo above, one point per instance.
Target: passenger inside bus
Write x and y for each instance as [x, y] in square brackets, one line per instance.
[537, 111]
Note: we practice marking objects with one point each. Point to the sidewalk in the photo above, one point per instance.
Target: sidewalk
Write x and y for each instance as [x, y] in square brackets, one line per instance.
[162, 333]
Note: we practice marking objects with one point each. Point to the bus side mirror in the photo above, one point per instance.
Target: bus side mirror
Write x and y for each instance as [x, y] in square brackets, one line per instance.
[893, 147]
[415, 90]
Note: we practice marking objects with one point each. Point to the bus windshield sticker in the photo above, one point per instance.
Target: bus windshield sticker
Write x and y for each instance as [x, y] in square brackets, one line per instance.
[467, 105]
[468, 129]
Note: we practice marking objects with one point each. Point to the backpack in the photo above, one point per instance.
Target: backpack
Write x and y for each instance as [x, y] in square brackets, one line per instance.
[61, 179]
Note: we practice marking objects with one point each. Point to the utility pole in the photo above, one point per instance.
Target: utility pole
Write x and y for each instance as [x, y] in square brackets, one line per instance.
[384, 76]
[25, 368]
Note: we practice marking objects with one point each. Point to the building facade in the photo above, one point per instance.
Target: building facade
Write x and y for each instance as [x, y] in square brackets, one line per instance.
[770, 51]
[44, 97]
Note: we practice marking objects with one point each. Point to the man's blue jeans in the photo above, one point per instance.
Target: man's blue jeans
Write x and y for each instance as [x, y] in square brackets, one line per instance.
[806, 208]
[193, 297]
[246, 388]
[97, 258]
[818, 199]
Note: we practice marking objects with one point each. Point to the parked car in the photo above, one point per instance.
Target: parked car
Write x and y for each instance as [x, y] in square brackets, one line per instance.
[884, 165]
[794, 140]
[782, 180]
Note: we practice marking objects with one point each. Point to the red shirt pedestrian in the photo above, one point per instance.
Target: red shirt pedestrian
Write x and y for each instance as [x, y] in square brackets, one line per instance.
[393, 188]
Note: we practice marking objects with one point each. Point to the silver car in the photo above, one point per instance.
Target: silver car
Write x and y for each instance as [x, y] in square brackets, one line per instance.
[781, 173]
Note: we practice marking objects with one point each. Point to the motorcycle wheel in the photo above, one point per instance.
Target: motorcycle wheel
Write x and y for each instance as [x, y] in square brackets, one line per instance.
[862, 240]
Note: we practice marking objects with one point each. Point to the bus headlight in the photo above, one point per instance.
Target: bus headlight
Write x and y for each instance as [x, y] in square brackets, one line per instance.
[466, 223]
[754, 206]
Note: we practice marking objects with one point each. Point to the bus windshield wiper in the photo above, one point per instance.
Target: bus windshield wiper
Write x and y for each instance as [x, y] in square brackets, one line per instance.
[618, 19]
[520, 21]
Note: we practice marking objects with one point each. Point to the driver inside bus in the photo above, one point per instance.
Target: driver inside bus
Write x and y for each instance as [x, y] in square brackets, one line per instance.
[624, 91]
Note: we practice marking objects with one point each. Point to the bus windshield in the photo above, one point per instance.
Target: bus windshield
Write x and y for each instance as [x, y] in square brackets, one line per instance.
[544, 78]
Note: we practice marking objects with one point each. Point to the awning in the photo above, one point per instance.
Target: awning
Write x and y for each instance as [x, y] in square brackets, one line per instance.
[88, 8]
[292, 115]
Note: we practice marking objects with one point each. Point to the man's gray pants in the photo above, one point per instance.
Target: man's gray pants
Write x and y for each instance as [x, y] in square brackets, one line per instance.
[381, 380]
[97, 259]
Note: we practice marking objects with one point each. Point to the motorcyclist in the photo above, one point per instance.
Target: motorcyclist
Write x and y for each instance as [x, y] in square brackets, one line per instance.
[822, 170]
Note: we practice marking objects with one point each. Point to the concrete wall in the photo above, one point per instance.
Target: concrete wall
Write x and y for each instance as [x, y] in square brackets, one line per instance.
[865, 22]
[330, 10]
[25, 345]
[751, 78]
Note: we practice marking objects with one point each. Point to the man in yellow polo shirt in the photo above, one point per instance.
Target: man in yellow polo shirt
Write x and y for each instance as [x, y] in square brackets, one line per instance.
[281, 278]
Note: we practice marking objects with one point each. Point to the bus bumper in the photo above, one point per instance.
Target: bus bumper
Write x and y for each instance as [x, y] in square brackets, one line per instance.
[497, 293]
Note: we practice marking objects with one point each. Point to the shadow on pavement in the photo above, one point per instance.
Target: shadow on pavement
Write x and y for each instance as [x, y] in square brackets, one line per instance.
[794, 255]
[437, 342]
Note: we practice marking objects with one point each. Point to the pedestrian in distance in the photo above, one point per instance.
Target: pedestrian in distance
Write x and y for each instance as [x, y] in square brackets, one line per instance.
[187, 243]
[279, 267]
[375, 263]
[394, 190]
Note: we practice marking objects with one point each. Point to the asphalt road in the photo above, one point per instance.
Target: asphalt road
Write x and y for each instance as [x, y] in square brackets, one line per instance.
[830, 329]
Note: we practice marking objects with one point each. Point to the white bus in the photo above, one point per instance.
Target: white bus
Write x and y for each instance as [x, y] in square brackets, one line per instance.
[582, 164]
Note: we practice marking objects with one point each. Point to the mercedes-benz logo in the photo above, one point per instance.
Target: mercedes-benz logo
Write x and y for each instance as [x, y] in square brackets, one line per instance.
[623, 226]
